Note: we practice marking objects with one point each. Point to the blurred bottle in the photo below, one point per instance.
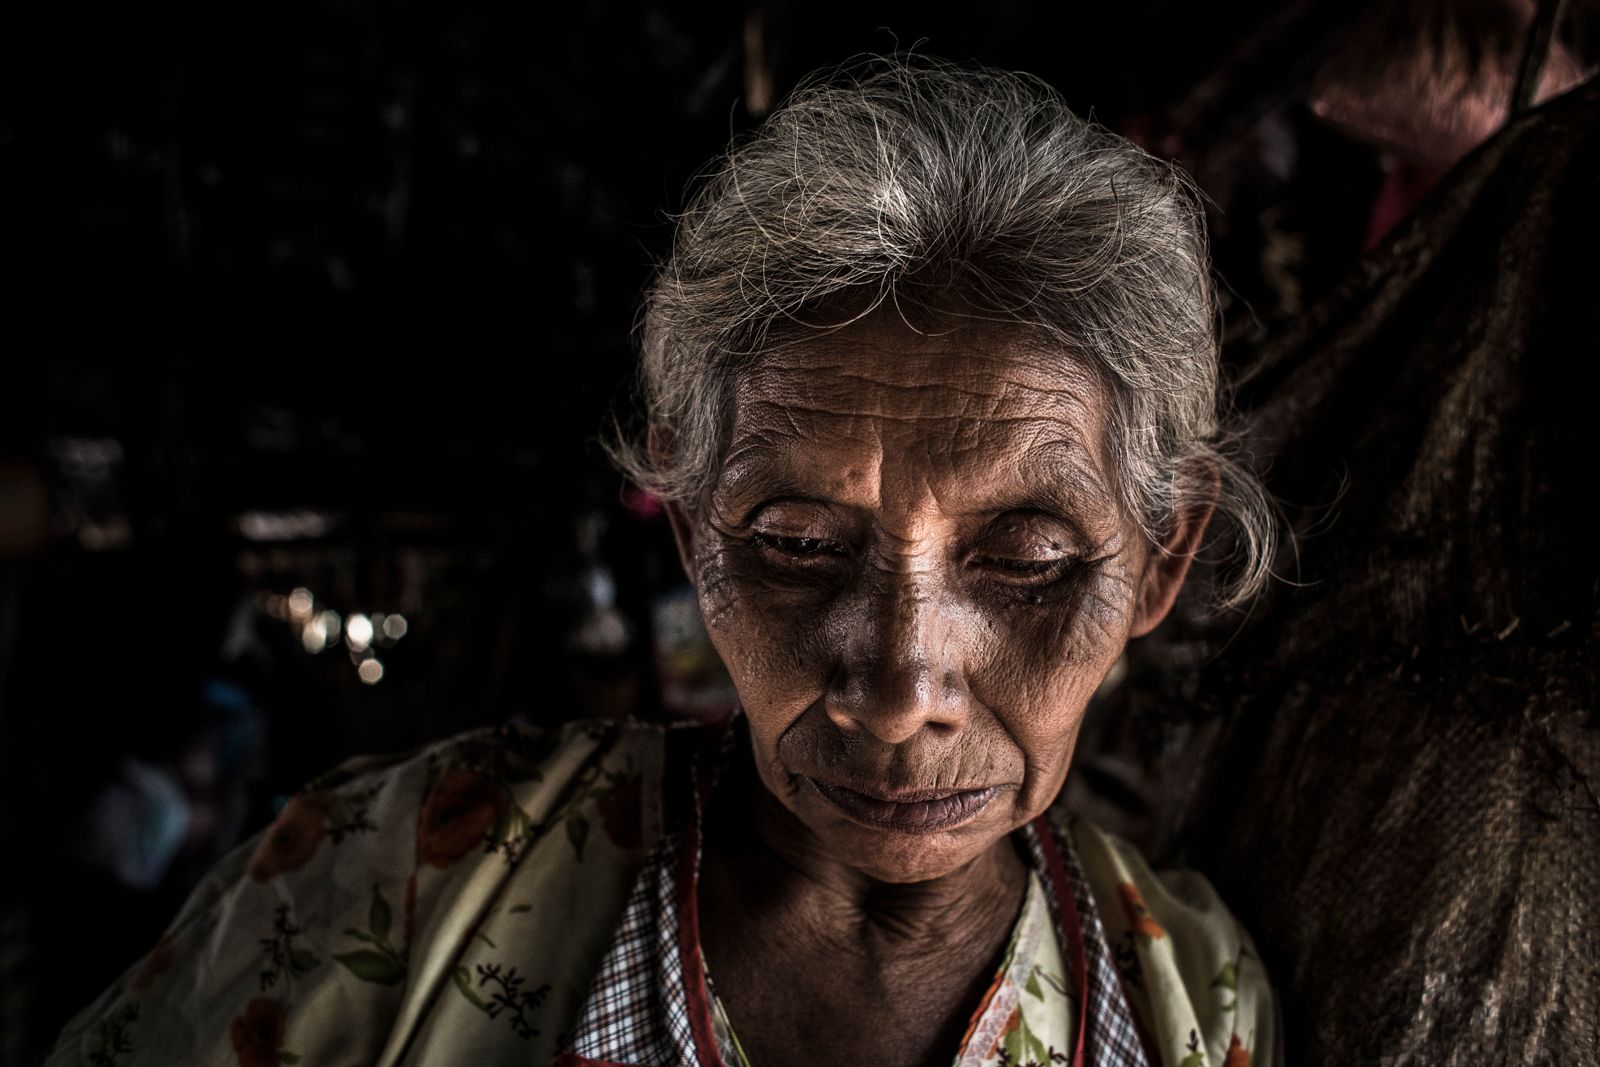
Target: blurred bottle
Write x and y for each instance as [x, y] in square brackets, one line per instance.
[599, 645]
[692, 682]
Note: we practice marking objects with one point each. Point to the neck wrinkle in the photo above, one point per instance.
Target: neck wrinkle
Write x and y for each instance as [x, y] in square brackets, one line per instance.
[827, 900]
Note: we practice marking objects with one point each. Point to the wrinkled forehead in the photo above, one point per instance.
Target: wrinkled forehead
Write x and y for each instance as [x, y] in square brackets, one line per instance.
[877, 407]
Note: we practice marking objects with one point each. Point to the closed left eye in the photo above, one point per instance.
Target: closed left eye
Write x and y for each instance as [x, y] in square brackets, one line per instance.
[797, 547]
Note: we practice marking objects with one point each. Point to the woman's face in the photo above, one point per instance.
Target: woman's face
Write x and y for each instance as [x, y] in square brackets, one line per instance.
[915, 568]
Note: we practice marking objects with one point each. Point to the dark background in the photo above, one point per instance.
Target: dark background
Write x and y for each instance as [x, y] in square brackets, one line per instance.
[337, 296]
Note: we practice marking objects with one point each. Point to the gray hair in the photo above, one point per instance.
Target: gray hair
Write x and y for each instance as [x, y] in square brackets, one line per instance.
[913, 182]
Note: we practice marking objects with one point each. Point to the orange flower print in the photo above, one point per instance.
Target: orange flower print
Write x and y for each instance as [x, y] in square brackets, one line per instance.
[1238, 1055]
[457, 812]
[293, 838]
[155, 965]
[1012, 1022]
[1140, 921]
[258, 1034]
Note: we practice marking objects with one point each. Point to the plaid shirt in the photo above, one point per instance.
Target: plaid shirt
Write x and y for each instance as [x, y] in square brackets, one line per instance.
[649, 1005]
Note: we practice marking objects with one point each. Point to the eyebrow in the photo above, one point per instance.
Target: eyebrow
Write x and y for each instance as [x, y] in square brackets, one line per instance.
[759, 480]
[1057, 499]
[1063, 476]
[762, 477]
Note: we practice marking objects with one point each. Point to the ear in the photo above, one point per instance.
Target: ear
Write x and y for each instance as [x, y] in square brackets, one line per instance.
[1167, 566]
[683, 533]
[660, 442]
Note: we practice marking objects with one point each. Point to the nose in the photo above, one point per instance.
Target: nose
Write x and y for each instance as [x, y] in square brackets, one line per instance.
[903, 667]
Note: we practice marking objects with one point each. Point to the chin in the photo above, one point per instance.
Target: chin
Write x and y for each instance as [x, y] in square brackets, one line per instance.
[895, 859]
[898, 857]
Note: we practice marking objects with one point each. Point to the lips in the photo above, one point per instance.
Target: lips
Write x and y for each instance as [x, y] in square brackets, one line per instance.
[910, 813]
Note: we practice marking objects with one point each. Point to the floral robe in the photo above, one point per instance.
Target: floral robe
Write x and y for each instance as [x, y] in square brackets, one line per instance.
[457, 906]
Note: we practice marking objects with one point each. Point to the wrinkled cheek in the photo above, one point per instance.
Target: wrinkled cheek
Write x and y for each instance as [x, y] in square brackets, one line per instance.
[763, 636]
[718, 589]
[1051, 664]
[743, 630]
[1055, 765]
[1088, 640]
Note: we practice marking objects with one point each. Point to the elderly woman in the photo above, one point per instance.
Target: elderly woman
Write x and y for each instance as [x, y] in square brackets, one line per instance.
[930, 388]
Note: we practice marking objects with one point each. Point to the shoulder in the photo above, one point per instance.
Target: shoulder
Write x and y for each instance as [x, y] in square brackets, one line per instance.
[1189, 968]
[454, 894]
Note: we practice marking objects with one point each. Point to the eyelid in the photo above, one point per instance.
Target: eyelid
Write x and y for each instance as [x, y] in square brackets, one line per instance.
[1063, 540]
[1033, 576]
[800, 552]
[803, 532]
[817, 515]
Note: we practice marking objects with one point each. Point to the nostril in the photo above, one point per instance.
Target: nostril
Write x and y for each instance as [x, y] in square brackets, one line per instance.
[895, 718]
[842, 718]
[903, 673]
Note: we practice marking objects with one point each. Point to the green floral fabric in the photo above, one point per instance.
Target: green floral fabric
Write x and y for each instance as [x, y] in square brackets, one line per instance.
[1190, 970]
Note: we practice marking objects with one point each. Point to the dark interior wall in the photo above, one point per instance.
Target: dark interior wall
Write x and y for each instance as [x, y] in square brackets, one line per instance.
[337, 295]
[380, 263]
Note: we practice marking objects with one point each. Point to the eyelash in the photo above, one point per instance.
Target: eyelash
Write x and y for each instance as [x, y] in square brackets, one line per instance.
[1037, 573]
[797, 547]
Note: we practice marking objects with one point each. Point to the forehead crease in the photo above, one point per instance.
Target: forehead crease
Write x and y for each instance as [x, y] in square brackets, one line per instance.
[1034, 454]
[949, 448]
[961, 422]
[943, 410]
[976, 383]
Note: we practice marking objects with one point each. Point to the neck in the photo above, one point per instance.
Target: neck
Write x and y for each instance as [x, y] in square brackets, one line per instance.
[755, 843]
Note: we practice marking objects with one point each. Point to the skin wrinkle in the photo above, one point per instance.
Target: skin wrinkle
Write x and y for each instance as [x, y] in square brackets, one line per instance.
[758, 470]
[898, 653]
[1004, 206]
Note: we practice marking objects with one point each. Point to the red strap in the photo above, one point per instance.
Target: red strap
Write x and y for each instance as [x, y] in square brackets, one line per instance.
[1068, 905]
[694, 972]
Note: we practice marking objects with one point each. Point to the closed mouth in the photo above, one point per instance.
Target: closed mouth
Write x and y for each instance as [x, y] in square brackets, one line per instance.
[910, 813]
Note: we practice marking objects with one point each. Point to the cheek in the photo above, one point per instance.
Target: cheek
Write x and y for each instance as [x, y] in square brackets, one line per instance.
[764, 631]
[1045, 664]
[1070, 639]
